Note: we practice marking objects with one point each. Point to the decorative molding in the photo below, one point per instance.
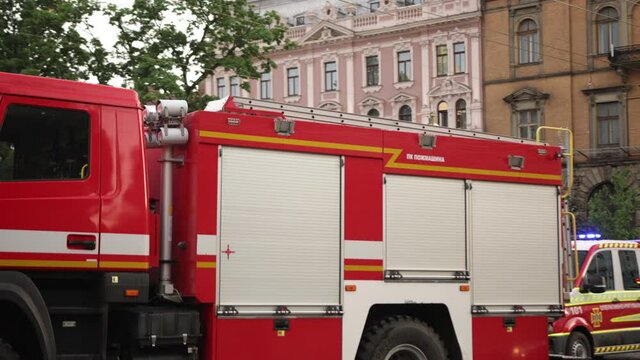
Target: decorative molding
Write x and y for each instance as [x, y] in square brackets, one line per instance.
[403, 85]
[292, 99]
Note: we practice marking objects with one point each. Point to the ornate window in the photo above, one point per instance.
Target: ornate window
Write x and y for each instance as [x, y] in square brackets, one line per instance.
[221, 87]
[527, 109]
[461, 114]
[607, 29]
[441, 60]
[373, 112]
[235, 86]
[608, 123]
[404, 66]
[443, 113]
[608, 119]
[330, 76]
[265, 86]
[528, 42]
[405, 113]
[528, 122]
[293, 81]
[373, 70]
[459, 60]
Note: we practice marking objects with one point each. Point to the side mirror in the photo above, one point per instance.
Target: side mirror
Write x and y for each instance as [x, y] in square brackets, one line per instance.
[593, 283]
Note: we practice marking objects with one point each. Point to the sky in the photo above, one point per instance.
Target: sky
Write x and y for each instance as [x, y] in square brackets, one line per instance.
[107, 33]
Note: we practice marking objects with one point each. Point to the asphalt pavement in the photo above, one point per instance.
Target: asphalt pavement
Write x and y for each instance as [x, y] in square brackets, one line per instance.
[634, 356]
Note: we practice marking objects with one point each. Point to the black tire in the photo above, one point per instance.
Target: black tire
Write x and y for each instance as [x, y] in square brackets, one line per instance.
[7, 352]
[401, 338]
[579, 346]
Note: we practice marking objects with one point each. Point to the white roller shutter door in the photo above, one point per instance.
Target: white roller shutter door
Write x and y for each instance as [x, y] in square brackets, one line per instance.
[425, 224]
[515, 244]
[281, 217]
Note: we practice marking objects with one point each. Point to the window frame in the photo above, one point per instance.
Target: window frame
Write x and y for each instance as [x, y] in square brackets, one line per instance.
[531, 132]
[612, 28]
[460, 55]
[634, 285]
[221, 83]
[330, 76]
[533, 42]
[404, 65]
[442, 60]
[461, 123]
[63, 187]
[610, 286]
[369, 71]
[234, 87]
[616, 120]
[442, 114]
[266, 92]
[293, 80]
[403, 116]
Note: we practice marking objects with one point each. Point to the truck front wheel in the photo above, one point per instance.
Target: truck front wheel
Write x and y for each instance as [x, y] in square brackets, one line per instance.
[7, 352]
[579, 346]
[401, 338]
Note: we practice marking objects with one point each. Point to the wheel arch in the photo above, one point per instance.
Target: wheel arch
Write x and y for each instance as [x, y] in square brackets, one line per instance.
[587, 333]
[18, 290]
[435, 315]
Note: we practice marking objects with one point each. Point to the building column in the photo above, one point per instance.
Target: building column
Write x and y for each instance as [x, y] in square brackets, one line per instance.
[310, 85]
[208, 85]
[425, 69]
[351, 93]
[476, 84]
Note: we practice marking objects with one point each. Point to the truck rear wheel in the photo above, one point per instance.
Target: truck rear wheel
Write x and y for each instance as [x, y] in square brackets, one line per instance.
[7, 352]
[579, 346]
[401, 338]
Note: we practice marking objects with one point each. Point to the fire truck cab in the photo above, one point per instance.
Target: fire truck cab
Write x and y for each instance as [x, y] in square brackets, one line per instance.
[602, 312]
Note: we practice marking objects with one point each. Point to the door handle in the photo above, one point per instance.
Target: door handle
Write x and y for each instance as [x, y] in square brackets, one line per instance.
[81, 242]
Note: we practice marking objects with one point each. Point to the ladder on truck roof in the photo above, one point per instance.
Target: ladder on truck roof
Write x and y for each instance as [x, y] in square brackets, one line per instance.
[337, 117]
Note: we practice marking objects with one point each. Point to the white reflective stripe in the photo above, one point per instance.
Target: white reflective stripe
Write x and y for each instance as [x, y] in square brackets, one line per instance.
[124, 244]
[363, 249]
[206, 244]
[36, 241]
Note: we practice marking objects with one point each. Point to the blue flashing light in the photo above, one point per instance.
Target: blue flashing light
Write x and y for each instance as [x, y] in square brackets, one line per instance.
[589, 236]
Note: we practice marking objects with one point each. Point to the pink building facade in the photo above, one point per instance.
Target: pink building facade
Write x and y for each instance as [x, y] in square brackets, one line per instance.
[402, 60]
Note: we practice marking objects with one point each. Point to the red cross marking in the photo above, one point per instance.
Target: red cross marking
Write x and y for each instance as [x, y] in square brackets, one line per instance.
[228, 252]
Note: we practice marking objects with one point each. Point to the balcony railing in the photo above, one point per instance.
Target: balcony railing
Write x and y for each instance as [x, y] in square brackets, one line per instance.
[626, 57]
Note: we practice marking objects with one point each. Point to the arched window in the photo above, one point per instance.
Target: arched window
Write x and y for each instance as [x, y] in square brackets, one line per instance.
[375, 112]
[528, 42]
[443, 114]
[405, 113]
[607, 28]
[461, 114]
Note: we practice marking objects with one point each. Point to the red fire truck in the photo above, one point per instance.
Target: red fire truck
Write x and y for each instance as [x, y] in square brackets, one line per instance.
[266, 231]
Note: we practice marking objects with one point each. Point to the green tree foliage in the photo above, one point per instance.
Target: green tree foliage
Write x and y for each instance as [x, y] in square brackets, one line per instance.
[170, 46]
[612, 209]
[45, 37]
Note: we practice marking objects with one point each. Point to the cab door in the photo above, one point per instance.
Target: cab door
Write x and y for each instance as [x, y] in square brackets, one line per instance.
[625, 308]
[49, 184]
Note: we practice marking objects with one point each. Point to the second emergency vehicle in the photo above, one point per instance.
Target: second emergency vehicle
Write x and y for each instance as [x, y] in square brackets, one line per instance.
[602, 311]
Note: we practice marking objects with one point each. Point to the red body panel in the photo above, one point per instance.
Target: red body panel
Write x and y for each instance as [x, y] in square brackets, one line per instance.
[295, 344]
[74, 91]
[526, 340]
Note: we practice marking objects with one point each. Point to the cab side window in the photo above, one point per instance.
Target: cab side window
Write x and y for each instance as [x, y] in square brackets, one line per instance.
[40, 143]
[602, 265]
[629, 267]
